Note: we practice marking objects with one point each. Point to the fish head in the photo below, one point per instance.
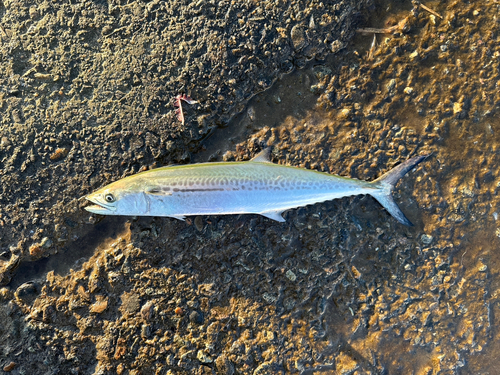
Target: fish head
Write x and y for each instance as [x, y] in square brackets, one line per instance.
[117, 198]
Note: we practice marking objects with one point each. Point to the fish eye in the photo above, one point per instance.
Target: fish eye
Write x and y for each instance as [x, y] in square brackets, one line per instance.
[109, 198]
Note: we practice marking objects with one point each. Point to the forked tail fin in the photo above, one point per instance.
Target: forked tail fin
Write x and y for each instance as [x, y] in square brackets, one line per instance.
[386, 184]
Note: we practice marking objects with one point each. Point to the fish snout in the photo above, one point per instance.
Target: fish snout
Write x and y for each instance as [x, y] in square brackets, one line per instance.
[99, 207]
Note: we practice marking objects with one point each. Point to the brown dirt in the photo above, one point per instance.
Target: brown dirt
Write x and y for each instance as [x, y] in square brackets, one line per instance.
[340, 287]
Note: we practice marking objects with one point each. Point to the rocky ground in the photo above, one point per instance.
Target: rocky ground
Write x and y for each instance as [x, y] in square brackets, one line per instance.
[87, 89]
[340, 287]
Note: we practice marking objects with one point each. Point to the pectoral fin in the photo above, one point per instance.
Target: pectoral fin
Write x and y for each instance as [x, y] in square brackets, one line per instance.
[274, 215]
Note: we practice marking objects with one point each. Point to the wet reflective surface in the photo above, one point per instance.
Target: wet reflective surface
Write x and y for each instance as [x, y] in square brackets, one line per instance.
[340, 287]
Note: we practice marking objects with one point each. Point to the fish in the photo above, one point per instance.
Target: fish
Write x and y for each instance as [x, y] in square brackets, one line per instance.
[257, 186]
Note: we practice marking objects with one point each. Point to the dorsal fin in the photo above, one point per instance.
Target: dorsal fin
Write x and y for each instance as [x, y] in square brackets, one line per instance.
[263, 156]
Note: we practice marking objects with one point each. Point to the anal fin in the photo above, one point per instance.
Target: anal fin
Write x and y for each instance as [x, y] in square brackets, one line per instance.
[274, 215]
[178, 217]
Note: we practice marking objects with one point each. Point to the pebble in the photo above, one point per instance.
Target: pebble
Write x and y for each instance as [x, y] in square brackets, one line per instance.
[5, 294]
[336, 46]
[59, 154]
[100, 305]
[145, 330]
[147, 310]
[481, 267]
[203, 357]
[195, 317]
[391, 85]
[46, 242]
[269, 297]
[224, 365]
[344, 113]
[426, 239]
[251, 113]
[4, 142]
[268, 368]
[9, 367]
[291, 276]
[198, 223]
[298, 37]
[26, 289]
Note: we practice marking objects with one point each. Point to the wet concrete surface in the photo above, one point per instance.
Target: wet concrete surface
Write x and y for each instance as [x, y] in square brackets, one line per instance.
[340, 287]
[87, 94]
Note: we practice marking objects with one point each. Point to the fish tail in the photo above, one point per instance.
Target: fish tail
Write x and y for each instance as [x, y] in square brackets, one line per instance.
[387, 182]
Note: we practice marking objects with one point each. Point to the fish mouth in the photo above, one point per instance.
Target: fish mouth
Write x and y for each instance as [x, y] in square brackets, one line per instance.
[99, 208]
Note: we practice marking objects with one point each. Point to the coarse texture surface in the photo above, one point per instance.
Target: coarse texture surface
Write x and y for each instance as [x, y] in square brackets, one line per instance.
[87, 89]
[340, 287]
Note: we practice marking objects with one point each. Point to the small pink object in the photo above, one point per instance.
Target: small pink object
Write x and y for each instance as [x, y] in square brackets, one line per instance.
[178, 103]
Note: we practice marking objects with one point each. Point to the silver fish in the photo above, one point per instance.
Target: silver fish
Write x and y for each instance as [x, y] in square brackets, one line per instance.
[253, 187]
